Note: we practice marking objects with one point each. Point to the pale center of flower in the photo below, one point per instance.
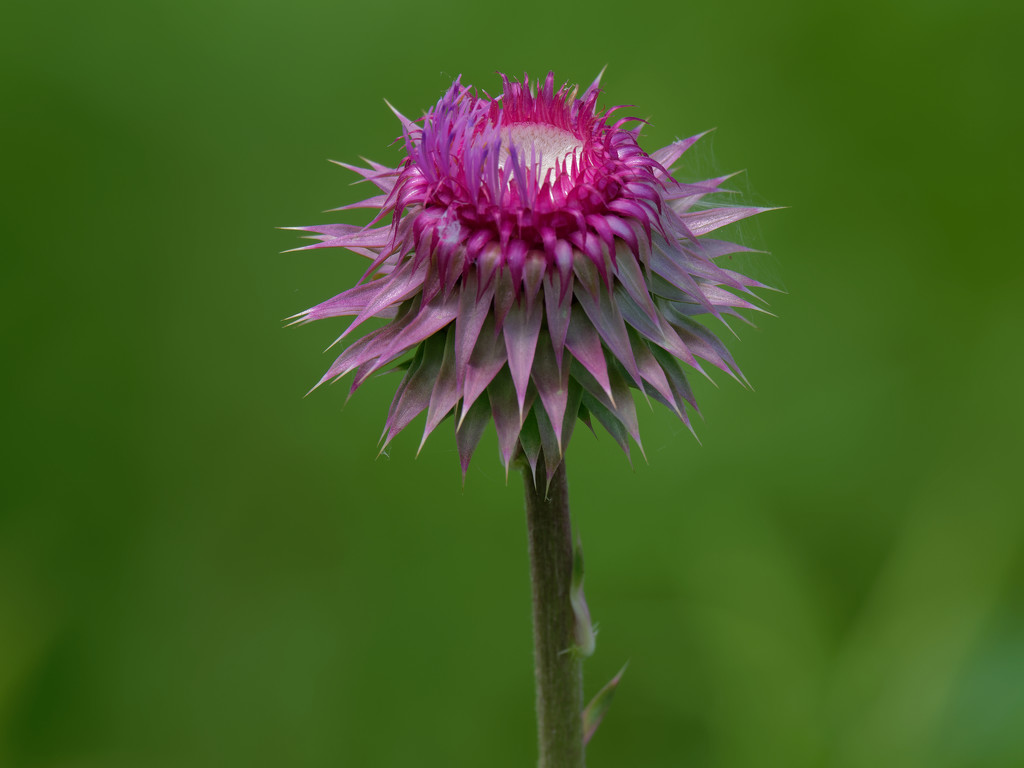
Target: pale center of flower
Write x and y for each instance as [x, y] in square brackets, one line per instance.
[549, 145]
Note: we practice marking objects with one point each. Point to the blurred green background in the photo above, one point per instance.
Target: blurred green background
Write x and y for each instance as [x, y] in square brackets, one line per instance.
[199, 567]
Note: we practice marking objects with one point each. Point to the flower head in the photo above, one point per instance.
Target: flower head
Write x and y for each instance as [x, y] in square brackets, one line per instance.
[537, 264]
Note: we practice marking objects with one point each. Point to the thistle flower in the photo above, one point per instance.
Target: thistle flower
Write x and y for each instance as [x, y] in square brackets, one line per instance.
[537, 264]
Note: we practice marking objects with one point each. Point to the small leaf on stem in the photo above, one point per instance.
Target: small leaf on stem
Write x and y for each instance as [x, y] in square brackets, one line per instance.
[594, 712]
[584, 629]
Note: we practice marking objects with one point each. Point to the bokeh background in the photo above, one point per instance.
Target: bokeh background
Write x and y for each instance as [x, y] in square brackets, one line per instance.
[200, 567]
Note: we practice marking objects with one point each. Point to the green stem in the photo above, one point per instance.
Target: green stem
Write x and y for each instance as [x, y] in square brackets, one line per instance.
[559, 672]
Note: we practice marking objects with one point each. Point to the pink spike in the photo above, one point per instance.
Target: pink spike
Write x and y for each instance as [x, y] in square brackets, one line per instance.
[702, 222]
[667, 156]
[552, 385]
[474, 309]
[558, 306]
[584, 343]
[504, 297]
[508, 420]
[657, 329]
[521, 327]
[630, 276]
[470, 430]
[487, 359]
[445, 394]
[625, 410]
[415, 396]
[427, 321]
[407, 124]
[653, 373]
[383, 178]
[395, 290]
[607, 319]
[533, 275]
[595, 85]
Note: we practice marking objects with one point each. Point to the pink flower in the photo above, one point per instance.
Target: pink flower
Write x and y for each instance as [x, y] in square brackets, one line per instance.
[536, 264]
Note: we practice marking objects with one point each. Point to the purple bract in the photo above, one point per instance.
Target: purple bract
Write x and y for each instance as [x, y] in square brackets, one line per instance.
[537, 263]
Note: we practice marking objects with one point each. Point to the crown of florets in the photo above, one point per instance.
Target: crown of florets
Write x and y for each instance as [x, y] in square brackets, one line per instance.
[536, 172]
[536, 263]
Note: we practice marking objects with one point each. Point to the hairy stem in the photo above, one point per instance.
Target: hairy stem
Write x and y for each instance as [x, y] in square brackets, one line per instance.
[559, 672]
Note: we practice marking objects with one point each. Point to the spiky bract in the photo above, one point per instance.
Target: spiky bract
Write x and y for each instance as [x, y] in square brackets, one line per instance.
[537, 264]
